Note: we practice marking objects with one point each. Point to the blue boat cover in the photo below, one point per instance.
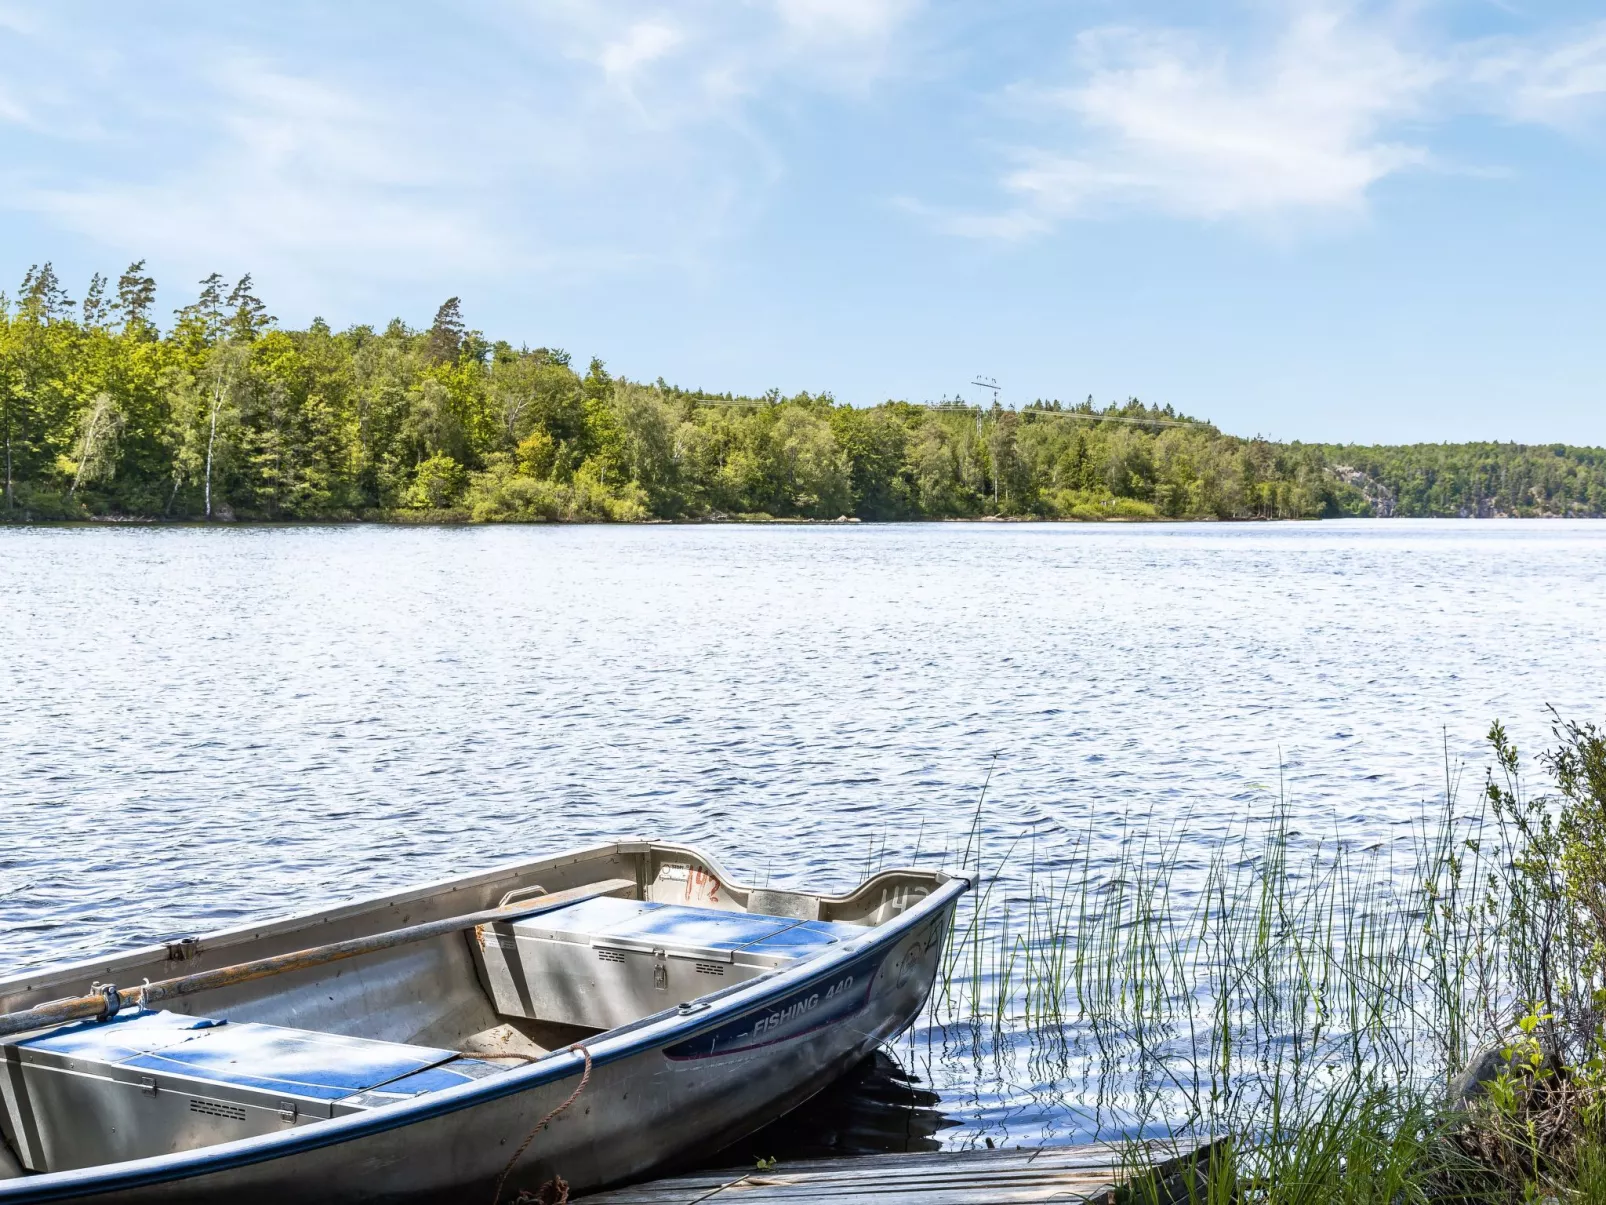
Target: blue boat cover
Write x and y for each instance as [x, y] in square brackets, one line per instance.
[806, 939]
[123, 1037]
[677, 925]
[269, 1058]
[588, 916]
[448, 1075]
[300, 1062]
[708, 928]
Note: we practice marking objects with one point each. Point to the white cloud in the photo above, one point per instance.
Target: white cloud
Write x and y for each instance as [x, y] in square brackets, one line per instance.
[853, 21]
[846, 45]
[1173, 121]
[298, 169]
[1297, 124]
[566, 138]
[645, 42]
[587, 134]
[13, 110]
[32, 96]
[726, 53]
[1560, 82]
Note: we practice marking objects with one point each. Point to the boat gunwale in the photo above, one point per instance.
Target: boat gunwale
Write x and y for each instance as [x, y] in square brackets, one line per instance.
[296, 922]
[611, 1046]
[100, 965]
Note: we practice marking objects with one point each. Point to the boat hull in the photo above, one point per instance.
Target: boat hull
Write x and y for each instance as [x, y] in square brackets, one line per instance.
[681, 1082]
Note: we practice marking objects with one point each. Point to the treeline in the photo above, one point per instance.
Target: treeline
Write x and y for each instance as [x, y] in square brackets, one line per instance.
[1476, 480]
[227, 415]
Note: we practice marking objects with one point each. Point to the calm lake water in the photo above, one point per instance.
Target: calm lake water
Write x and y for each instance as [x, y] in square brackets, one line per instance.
[206, 725]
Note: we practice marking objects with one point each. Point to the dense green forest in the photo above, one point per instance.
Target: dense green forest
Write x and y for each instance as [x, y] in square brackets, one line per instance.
[1477, 480]
[226, 415]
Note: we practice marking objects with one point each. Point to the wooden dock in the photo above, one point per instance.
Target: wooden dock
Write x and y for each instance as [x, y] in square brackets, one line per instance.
[1066, 1175]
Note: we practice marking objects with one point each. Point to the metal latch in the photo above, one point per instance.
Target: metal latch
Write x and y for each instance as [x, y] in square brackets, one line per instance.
[287, 1110]
[660, 971]
[147, 1085]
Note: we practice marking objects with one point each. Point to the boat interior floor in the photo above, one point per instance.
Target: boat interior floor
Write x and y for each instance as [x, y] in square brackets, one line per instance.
[519, 1039]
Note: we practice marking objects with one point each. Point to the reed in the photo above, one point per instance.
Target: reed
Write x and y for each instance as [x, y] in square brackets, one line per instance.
[1307, 998]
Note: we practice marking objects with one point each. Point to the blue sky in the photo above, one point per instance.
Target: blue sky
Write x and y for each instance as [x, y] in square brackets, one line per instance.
[1303, 219]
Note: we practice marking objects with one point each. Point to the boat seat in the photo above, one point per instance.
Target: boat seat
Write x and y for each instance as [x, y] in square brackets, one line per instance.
[153, 1082]
[606, 962]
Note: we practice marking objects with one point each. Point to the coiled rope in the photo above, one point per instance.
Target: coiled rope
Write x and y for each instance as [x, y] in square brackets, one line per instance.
[557, 1183]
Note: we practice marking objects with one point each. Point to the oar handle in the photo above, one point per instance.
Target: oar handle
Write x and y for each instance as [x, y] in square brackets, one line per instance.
[106, 1001]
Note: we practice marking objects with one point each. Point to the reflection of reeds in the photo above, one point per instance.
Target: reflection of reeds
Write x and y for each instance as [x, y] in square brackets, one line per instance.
[1307, 998]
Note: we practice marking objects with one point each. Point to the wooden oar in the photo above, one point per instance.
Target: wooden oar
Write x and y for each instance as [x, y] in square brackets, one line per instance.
[108, 1000]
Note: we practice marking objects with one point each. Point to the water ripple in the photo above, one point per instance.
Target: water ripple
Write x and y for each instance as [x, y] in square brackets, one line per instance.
[207, 725]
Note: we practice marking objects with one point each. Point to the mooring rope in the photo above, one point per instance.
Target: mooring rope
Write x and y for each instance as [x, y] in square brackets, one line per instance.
[556, 1181]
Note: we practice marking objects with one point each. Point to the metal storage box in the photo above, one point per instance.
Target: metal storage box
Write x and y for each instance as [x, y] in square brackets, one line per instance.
[606, 962]
[150, 1083]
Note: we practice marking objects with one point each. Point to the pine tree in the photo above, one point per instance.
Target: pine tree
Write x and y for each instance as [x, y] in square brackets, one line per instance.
[136, 294]
[251, 317]
[42, 297]
[96, 307]
[210, 305]
[446, 335]
[598, 382]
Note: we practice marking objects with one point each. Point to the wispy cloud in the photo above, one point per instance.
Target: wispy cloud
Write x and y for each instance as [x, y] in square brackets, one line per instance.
[561, 135]
[847, 43]
[295, 168]
[570, 136]
[724, 53]
[1287, 124]
[856, 21]
[643, 43]
[1558, 81]
[13, 110]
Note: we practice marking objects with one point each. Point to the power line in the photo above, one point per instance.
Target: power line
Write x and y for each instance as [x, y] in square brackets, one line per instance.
[1095, 416]
[737, 403]
[1089, 415]
[959, 407]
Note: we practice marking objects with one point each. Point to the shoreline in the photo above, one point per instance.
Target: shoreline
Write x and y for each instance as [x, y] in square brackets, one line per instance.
[460, 519]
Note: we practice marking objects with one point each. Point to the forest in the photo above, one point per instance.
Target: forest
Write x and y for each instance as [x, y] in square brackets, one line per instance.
[225, 415]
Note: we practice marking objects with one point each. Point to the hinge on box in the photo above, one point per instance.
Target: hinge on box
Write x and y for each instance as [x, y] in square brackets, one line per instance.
[287, 1110]
[660, 971]
[147, 1085]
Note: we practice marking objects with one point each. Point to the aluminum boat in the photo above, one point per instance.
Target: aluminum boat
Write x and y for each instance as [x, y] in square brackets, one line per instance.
[585, 1018]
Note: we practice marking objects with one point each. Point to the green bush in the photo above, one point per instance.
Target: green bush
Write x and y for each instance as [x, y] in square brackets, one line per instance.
[437, 483]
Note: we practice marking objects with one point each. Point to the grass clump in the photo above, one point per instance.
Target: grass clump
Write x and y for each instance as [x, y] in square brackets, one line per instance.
[1360, 1024]
[1535, 1107]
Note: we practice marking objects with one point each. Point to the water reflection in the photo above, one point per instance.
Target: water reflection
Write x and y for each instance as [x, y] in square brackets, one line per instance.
[877, 1108]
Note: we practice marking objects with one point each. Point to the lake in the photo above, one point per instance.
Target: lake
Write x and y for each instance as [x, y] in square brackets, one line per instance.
[206, 725]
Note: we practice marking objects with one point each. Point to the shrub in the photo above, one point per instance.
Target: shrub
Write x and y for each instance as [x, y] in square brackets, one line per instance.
[436, 483]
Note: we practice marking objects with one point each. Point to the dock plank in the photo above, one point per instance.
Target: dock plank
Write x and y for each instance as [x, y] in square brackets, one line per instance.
[998, 1177]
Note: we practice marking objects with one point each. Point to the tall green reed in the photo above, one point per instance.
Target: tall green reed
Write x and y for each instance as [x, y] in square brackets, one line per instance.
[1310, 997]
